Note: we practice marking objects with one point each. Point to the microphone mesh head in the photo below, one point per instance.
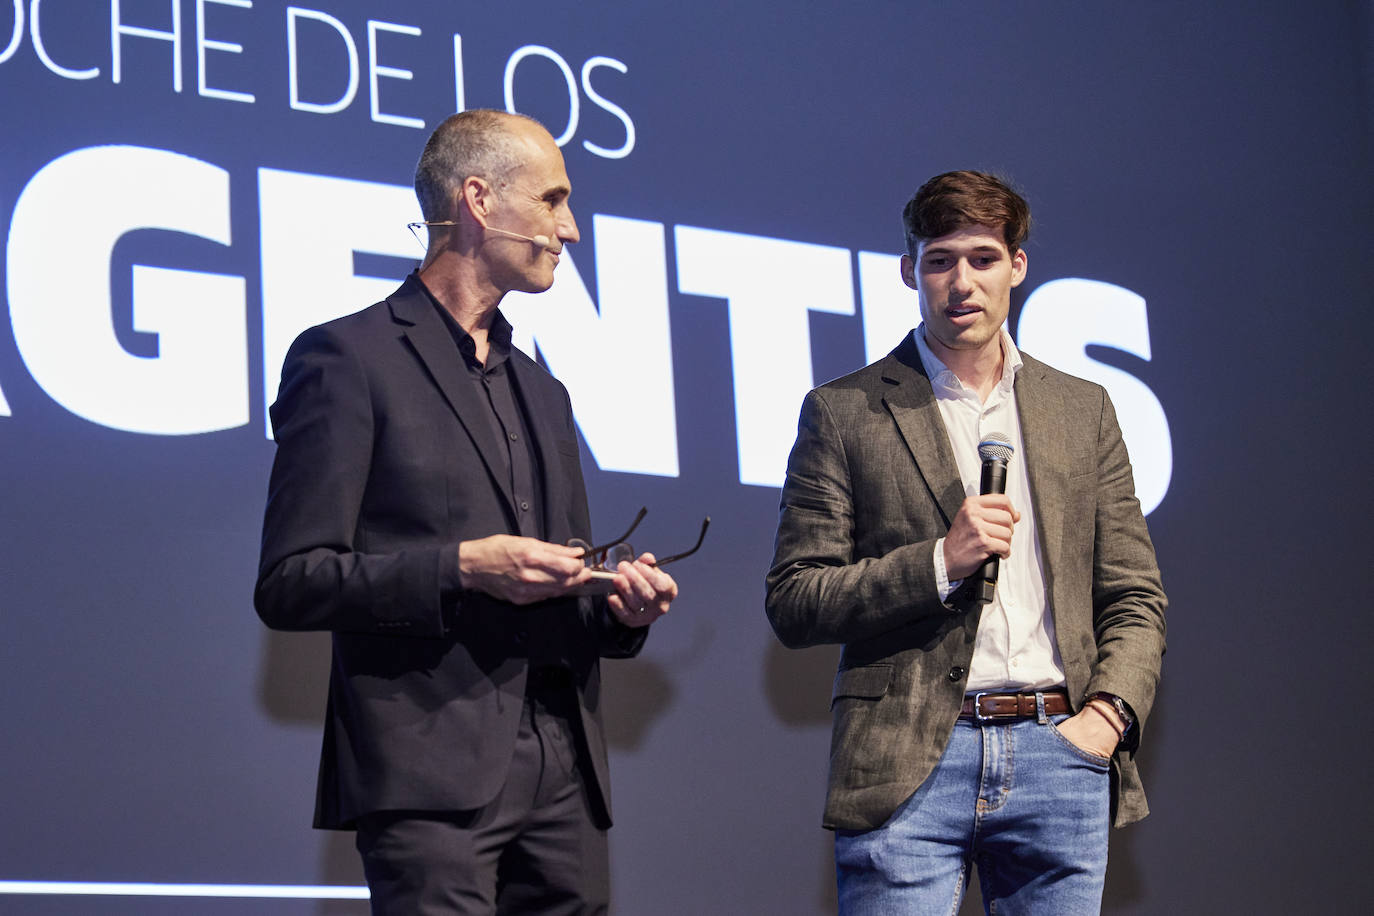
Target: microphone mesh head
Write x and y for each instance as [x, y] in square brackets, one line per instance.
[995, 447]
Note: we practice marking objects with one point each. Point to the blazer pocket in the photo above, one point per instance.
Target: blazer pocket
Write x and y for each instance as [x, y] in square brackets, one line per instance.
[868, 682]
[1081, 466]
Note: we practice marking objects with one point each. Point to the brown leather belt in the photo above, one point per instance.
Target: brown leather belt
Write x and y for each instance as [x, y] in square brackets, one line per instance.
[991, 707]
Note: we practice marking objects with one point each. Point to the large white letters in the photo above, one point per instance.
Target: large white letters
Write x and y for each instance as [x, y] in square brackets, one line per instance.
[118, 28]
[608, 350]
[39, 48]
[16, 33]
[311, 226]
[59, 293]
[889, 305]
[376, 70]
[294, 13]
[1063, 317]
[204, 44]
[602, 102]
[615, 360]
[540, 51]
[771, 285]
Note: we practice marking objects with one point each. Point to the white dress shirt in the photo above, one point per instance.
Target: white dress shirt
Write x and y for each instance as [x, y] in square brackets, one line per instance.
[1015, 648]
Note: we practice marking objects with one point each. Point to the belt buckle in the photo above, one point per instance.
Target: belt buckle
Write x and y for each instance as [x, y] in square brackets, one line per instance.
[978, 707]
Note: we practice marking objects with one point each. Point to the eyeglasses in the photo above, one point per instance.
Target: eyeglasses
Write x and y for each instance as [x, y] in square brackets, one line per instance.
[607, 557]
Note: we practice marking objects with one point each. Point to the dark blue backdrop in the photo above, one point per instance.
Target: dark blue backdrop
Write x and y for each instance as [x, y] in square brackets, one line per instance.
[1213, 159]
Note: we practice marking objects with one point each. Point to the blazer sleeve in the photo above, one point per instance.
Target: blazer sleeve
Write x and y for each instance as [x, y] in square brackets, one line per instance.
[613, 638]
[1127, 594]
[311, 575]
[823, 587]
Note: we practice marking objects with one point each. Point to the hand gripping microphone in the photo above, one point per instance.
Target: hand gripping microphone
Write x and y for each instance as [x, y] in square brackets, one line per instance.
[996, 451]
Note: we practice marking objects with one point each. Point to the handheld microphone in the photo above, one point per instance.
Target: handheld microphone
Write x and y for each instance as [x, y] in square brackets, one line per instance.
[996, 451]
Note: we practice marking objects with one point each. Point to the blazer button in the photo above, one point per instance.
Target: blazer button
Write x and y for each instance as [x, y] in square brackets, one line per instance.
[957, 673]
[521, 637]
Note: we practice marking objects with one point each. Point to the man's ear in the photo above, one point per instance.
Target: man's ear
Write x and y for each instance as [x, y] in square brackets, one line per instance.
[908, 271]
[476, 195]
[1018, 267]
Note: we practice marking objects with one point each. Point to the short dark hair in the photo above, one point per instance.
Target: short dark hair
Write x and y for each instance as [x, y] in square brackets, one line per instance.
[470, 143]
[957, 200]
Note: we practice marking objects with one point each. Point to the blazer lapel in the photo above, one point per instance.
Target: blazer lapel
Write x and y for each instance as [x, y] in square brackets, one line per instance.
[433, 344]
[911, 401]
[1042, 435]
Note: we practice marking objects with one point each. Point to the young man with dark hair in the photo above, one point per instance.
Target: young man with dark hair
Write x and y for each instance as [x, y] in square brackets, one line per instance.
[999, 732]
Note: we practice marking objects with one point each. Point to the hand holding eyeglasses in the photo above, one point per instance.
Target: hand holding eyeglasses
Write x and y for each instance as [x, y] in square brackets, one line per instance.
[520, 570]
[638, 591]
[642, 592]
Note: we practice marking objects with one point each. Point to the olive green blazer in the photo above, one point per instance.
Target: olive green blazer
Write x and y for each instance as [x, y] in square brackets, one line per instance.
[871, 485]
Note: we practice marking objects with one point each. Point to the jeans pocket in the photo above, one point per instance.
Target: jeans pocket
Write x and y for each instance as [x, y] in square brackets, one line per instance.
[1102, 763]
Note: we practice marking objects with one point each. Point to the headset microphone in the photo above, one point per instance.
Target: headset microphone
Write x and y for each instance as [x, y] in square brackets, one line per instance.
[542, 241]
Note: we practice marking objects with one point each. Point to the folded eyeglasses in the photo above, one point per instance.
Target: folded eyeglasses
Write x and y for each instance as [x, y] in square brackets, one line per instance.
[605, 558]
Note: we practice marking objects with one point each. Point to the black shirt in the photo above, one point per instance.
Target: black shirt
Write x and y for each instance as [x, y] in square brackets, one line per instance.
[520, 473]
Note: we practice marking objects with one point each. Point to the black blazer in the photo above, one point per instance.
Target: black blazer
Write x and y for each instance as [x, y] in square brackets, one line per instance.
[384, 463]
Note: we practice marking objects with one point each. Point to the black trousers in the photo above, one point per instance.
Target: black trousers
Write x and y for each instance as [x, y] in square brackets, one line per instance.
[533, 849]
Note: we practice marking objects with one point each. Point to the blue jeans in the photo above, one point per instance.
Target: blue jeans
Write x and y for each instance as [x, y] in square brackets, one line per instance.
[1029, 808]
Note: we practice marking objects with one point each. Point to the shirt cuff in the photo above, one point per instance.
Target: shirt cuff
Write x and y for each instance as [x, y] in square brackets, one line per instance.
[942, 583]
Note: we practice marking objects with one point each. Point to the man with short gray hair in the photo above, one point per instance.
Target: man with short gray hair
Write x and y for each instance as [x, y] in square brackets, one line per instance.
[425, 490]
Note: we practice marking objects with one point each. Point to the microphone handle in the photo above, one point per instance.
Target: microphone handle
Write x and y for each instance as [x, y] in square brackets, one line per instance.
[983, 583]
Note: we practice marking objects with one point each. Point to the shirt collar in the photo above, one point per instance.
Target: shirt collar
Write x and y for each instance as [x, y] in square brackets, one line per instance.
[943, 379]
[498, 338]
